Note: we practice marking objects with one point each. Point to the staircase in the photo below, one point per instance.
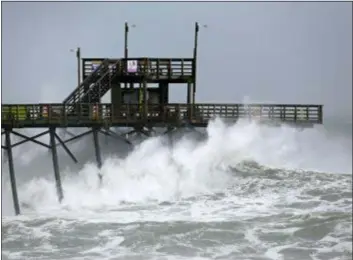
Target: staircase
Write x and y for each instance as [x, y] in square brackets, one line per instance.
[95, 86]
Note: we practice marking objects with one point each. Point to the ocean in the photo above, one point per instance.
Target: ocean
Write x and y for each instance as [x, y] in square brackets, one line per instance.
[243, 191]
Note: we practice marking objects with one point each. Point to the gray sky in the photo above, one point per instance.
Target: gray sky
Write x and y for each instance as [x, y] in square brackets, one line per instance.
[271, 52]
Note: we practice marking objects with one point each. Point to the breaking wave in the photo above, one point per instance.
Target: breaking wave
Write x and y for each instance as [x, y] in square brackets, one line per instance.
[155, 170]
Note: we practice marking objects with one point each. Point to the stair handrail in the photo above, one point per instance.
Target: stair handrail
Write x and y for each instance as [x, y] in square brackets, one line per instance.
[71, 106]
[87, 80]
[97, 82]
[102, 77]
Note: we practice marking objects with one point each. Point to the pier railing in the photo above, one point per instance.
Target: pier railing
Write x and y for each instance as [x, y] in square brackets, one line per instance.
[151, 68]
[44, 115]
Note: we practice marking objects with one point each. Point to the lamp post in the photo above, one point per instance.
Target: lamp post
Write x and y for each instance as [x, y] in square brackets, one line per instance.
[126, 36]
[126, 52]
[78, 56]
[197, 28]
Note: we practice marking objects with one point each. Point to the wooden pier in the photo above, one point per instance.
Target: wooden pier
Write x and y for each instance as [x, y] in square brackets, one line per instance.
[134, 104]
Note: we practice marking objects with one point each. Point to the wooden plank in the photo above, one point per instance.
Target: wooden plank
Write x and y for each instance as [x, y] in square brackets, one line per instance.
[103, 113]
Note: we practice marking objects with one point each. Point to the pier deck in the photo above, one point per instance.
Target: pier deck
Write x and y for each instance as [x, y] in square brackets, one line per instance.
[109, 115]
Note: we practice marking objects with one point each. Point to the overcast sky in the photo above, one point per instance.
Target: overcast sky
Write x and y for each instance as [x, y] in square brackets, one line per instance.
[271, 52]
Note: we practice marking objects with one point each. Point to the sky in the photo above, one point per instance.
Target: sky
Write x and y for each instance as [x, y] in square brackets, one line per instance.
[269, 52]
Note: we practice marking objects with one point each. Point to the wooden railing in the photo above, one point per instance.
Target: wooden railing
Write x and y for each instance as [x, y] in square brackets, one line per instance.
[78, 93]
[158, 68]
[31, 115]
[91, 65]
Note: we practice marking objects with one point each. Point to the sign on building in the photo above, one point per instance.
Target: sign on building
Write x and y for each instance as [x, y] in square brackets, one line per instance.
[132, 66]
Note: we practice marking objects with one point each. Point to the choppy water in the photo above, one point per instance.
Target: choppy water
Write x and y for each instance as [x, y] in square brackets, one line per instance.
[245, 192]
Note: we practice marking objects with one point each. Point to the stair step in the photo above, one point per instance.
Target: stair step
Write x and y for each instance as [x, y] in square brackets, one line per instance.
[92, 89]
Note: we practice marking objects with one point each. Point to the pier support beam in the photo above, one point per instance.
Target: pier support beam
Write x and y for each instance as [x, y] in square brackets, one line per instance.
[97, 150]
[76, 137]
[108, 132]
[59, 189]
[12, 172]
[32, 139]
[67, 150]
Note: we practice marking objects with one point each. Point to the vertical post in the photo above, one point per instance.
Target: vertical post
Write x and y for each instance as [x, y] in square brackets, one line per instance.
[59, 189]
[190, 100]
[97, 152]
[145, 104]
[125, 40]
[125, 46]
[195, 59]
[190, 92]
[163, 97]
[320, 114]
[163, 90]
[12, 172]
[78, 56]
[140, 98]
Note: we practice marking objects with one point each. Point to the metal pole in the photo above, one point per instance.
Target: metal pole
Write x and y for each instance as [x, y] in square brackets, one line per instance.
[78, 56]
[125, 40]
[59, 189]
[195, 59]
[12, 172]
[98, 152]
[125, 46]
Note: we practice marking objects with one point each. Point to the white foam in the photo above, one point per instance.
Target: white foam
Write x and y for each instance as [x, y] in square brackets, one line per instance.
[155, 171]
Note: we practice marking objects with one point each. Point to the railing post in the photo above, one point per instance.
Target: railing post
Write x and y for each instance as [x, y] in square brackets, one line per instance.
[17, 113]
[170, 68]
[50, 113]
[158, 70]
[145, 105]
[295, 113]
